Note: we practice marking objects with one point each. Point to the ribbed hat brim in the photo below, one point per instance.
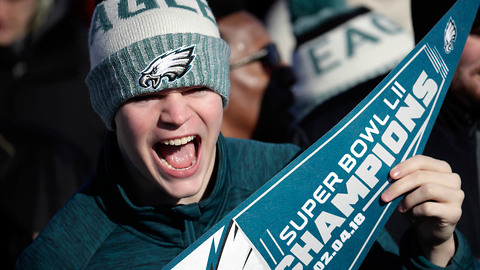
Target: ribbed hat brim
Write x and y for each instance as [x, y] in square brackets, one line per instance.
[116, 78]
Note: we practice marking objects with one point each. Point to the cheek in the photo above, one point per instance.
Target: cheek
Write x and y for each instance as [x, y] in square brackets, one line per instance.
[213, 113]
[131, 134]
[132, 123]
[126, 136]
[471, 52]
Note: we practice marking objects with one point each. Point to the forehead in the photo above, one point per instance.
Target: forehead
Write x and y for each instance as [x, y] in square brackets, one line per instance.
[244, 33]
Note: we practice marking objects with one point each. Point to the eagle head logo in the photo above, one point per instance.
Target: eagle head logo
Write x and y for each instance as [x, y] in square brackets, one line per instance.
[173, 65]
[450, 36]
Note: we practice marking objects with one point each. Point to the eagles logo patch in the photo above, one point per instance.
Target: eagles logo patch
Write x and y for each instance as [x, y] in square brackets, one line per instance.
[173, 65]
[450, 36]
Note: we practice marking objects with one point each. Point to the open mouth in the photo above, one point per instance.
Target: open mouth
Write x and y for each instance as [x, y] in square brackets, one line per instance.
[178, 154]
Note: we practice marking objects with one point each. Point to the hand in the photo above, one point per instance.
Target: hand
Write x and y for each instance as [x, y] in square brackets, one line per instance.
[432, 203]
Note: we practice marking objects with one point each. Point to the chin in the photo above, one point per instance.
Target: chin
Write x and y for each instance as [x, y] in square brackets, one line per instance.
[185, 190]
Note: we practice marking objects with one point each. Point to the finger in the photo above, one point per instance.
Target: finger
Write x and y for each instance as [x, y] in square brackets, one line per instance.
[417, 179]
[419, 162]
[432, 193]
[445, 213]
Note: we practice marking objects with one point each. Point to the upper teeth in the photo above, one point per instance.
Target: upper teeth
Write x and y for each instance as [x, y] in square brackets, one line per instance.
[180, 141]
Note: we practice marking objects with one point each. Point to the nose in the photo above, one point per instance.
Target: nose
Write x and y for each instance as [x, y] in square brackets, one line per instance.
[175, 110]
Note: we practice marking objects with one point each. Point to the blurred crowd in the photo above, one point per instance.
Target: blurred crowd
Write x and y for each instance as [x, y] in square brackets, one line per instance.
[49, 134]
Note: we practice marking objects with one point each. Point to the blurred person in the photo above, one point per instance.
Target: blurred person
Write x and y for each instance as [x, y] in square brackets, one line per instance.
[49, 134]
[17, 17]
[342, 52]
[260, 82]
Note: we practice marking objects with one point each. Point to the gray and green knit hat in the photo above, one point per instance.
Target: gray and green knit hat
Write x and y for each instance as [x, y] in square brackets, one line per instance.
[139, 47]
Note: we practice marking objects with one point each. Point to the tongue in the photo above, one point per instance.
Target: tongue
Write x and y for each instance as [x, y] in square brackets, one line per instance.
[178, 157]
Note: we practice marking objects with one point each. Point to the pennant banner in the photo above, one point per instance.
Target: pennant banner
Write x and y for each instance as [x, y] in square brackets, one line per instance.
[323, 211]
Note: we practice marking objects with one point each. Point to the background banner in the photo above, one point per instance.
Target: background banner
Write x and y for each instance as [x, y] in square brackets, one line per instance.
[323, 211]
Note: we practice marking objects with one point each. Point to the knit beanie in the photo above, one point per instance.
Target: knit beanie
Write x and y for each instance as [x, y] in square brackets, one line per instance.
[339, 47]
[141, 47]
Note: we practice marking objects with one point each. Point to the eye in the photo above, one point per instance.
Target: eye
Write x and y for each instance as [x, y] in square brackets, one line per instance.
[197, 91]
[143, 98]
